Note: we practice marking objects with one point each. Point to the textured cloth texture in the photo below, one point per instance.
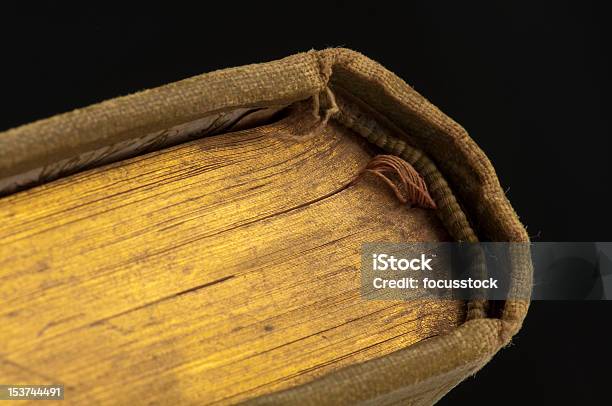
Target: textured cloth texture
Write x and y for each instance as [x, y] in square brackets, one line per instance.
[459, 176]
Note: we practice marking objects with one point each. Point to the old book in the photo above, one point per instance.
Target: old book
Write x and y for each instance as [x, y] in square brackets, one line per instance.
[200, 243]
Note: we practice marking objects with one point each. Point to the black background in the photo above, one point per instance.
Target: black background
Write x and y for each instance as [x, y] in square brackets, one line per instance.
[531, 84]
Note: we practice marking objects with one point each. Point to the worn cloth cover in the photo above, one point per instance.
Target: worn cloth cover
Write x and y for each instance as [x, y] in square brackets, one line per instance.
[361, 94]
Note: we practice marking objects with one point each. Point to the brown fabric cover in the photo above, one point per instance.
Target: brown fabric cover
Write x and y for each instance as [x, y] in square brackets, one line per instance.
[419, 374]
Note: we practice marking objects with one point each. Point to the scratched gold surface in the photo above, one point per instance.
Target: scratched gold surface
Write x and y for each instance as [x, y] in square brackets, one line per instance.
[211, 272]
